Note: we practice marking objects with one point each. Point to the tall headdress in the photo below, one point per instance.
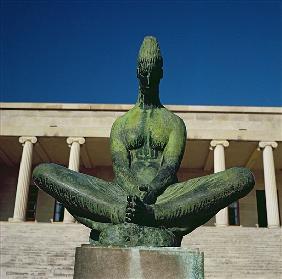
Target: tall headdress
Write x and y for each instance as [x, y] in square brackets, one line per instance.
[149, 56]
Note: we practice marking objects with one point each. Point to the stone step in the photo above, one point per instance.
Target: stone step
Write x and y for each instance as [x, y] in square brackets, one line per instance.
[44, 250]
[237, 252]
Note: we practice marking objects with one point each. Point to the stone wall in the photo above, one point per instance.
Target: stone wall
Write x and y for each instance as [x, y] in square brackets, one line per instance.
[45, 207]
[8, 186]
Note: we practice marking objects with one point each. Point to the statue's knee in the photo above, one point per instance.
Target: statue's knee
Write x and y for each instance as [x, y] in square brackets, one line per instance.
[243, 175]
[43, 169]
[47, 172]
[40, 170]
[48, 177]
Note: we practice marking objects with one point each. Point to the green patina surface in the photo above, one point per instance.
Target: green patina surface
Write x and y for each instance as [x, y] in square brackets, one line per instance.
[145, 204]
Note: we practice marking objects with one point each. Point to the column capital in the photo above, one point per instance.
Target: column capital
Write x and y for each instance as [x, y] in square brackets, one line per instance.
[263, 144]
[71, 140]
[25, 139]
[214, 143]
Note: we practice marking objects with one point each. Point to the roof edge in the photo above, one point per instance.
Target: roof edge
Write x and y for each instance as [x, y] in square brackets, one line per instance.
[125, 107]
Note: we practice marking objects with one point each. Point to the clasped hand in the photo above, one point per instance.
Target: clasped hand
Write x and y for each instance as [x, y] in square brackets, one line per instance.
[150, 196]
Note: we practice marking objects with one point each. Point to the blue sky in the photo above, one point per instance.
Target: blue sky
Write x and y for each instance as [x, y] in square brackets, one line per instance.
[215, 52]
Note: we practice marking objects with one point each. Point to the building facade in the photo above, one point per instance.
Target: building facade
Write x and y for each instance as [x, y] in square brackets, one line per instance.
[77, 136]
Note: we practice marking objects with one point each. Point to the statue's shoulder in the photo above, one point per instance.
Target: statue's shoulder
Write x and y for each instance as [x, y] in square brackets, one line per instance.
[121, 121]
[173, 119]
[117, 125]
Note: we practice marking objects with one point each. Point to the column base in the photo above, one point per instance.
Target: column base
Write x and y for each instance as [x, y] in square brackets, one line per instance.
[66, 222]
[221, 225]
[138, 262]
[274, 226]
[55, 222]
[15, 220]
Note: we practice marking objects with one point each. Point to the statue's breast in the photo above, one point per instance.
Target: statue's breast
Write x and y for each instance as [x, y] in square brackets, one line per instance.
[158, 140]
[134, 130]
[133, 138]
[148, 131]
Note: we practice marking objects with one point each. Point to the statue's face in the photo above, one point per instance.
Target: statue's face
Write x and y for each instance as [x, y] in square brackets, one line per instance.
[149, 78]
[149, 64]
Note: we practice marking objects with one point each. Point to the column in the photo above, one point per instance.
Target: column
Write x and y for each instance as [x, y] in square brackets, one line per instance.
[23, 179]
[219, 165]
[270, 184]
[74, 144]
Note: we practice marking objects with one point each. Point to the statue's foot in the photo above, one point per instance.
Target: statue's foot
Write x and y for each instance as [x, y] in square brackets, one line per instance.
[138, 212]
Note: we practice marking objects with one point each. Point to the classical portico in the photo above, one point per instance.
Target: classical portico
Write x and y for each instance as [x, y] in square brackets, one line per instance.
[77, 136]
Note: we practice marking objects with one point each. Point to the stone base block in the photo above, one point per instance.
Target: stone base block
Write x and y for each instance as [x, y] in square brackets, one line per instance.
[137, 263]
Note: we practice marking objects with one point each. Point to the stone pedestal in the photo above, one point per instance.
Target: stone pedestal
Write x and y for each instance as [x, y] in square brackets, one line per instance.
[138, 263]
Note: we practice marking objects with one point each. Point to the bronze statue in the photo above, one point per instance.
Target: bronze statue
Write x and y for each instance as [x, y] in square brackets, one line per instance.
[145, 204]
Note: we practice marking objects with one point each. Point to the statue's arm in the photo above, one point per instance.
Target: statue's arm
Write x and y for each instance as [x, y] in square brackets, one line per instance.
[172, 157]
[121, 158]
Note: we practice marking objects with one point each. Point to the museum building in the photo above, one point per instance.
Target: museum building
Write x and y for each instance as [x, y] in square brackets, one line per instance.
[77, 136]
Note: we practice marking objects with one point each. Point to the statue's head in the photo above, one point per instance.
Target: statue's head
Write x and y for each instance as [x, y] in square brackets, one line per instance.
[149, 63]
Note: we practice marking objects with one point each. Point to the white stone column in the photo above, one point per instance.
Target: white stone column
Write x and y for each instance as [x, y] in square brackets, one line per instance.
[74, 144]
[23, 179]
[219, 165]
[270, 184]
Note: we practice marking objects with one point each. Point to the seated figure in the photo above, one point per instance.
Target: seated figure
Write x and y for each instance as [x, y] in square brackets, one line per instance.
[145, 201]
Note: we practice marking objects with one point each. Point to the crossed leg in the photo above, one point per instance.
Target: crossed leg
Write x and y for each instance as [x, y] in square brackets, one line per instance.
[182, 207]
[86, 197]
[185, 206]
